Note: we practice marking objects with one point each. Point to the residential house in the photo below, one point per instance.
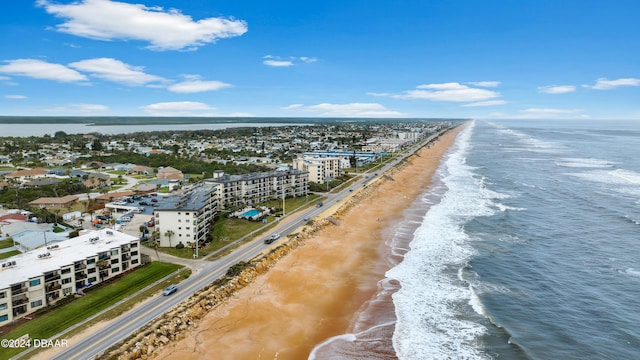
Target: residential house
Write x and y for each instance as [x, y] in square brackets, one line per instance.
[169, 173]
[54, 202]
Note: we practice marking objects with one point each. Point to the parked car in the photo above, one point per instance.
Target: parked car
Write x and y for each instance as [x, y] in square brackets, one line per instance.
[169, 290]
[154, 200]
[144, 203]
[272, 238]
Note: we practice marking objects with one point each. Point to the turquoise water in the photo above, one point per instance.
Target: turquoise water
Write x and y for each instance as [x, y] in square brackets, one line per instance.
[251, 213]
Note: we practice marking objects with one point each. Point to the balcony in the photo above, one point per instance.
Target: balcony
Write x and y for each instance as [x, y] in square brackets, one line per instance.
[18, 290]
[51, 277]
[17, 301]
[81, 275]
[52, 287]
[80, 266]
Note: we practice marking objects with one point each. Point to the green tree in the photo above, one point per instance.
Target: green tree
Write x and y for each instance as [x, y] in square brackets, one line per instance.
[169, 234]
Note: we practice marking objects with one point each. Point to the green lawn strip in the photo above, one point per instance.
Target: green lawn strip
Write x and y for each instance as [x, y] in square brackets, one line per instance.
[9, 254]
[55, 321]
[7, 243]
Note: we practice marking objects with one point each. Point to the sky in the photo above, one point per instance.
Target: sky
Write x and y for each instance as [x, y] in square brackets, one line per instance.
[498, 59]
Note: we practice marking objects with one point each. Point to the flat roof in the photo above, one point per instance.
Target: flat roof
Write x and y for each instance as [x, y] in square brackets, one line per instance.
[193, 199]
[29, 265]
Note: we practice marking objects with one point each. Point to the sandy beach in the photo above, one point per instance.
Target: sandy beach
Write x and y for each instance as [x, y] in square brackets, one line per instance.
[313, 293]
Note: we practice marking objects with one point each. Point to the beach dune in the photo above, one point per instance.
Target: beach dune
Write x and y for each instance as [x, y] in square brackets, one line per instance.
[314, 292]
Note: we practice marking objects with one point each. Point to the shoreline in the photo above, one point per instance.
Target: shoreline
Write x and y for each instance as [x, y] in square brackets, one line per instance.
[314, 294]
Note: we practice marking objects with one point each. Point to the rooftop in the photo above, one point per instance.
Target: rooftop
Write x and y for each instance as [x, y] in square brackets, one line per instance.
[193, 199]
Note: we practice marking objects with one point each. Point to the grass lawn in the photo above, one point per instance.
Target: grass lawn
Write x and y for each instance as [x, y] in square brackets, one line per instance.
[53, 322]
[9, 254]
[7, 243]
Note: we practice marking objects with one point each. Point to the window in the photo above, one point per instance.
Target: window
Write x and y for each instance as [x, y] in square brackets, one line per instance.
[3, 306]
[91, 271]
[188, 228]
[92, 279]
[114, 261]
[115, 270]
[186, 213]
[134, 261]
[187, 220]
[34, 282]
[65, 271]
[4, 318]
[66, 291]
[36, 303]
[179, 220]
[114, 252]
[66, 281]
[91, 261]
[134, 245]
[3, 295]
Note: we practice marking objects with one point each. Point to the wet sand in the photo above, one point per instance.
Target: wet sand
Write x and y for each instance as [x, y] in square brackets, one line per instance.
[313, 293]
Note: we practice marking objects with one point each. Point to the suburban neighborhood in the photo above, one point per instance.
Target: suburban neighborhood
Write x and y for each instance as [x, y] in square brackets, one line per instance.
[78, 210]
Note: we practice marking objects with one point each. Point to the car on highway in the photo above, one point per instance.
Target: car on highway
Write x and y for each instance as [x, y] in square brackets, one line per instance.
[319, 204]
[272, 238]
[170, 290]
[306, 218]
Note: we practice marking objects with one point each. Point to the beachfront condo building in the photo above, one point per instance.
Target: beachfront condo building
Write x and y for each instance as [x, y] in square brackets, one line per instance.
[38, 278]
[256, 188]
[320, 169]
[187, 218]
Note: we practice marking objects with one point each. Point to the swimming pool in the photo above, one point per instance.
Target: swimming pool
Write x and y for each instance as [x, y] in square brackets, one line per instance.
[250, 213]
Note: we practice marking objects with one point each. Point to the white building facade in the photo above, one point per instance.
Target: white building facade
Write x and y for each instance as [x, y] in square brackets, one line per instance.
[256, 188]
[187, 218]
[38, 278]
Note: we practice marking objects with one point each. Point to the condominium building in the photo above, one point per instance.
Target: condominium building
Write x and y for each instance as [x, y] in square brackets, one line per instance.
[320, 169]
[256, 188]
[187, 218]
[38, 278]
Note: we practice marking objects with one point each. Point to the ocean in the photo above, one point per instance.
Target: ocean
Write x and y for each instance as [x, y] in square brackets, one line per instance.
[528, 246]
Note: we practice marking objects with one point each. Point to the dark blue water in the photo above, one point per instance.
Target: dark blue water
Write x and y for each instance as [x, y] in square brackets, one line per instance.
[533, 249]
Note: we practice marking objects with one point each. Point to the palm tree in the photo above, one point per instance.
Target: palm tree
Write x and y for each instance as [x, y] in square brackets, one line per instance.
[169, 234]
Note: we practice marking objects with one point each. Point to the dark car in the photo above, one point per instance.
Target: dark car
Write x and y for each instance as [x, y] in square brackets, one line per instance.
[319, 204]
[154, 200]
[144, 203]
[170, 290]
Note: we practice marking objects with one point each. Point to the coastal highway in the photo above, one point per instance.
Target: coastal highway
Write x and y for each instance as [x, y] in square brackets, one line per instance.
[122, 327]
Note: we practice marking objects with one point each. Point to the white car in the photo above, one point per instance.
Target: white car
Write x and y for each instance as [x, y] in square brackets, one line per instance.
[272, 238]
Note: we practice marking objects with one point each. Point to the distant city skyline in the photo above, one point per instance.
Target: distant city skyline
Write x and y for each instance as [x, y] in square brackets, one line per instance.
[531, 59]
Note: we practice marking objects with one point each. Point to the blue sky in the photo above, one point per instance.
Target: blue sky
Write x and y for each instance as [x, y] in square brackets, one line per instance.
[574, 59]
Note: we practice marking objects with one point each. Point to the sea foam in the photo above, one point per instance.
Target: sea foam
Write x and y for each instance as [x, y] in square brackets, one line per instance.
[428, 304]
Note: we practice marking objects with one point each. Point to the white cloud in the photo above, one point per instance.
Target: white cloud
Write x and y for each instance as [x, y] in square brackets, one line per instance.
[292, 107]
[39, 69]
[605, 84]
[557, 89]
[164, 30]
[278, 63]
[485, 103]
[452, 91]
[116, 71]
[85, 109]
[194, 86]
[178, 108]
[347, 110]
[15, 97]
[486, 83]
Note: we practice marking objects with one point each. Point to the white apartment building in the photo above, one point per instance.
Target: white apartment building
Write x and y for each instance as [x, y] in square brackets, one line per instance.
[187, 218]
[40, 277]
[320, 168]
[256, 188]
